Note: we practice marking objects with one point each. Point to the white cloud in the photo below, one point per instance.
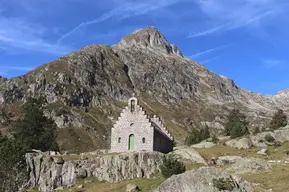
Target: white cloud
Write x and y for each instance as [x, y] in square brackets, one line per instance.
[226, 15]
[208, 31]
[271, 63]
[124, 11]
[19, 33]
[199, 54]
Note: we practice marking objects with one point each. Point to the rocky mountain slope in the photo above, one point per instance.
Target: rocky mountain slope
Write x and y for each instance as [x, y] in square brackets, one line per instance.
[85, 90]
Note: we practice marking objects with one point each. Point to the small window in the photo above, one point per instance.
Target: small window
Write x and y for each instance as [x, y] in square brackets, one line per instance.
[143, 140]
[132, 105]
[119, 139]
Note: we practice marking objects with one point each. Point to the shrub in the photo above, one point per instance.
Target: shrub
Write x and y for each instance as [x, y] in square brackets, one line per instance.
[236, 125]
[197, 136]
[256, 130]
[61, 111]
[215, 139]
[277, 144]
[287, 153]
[174, 143]
[171, 166]
[269, 138]
[223, 184]
[279, 120]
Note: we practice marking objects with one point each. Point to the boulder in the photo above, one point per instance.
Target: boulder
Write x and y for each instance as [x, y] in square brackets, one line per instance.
[58, 160]
[188, 155]
[59, 189]
[280, 136]
[132, 188]
[243, 143]
[263, 151]
[249, 165]
[80, 187]
[204, 179]
[204, 145]
[81, 173]
[227, 160]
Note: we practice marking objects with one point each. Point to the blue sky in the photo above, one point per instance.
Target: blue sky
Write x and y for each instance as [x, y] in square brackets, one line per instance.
[246, 40]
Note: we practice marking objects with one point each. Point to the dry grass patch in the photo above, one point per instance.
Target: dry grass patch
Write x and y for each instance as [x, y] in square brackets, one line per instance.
[193, 166]
[275, 153]
[224, 151]
[277, 179]
[78, 157]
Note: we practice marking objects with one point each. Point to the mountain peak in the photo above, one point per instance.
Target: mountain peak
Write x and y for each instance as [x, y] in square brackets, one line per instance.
[149, 38]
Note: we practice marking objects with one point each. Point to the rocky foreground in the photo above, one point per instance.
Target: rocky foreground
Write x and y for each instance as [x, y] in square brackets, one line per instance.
[49, 171]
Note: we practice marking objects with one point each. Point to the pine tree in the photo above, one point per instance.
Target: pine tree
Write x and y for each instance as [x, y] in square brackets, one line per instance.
[236, 125]
[279, 120]
[35, 130]
[171, 166]
[198, 135]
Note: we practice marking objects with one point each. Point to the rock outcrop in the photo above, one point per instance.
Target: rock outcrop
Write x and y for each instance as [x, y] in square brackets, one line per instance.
[205, 179]
[243, 143]
[279, 135]
[188, 155]
[249, 165]
[49, 172]
[204, 144]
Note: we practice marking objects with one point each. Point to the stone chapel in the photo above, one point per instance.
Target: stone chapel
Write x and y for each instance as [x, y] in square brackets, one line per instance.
[134, 131]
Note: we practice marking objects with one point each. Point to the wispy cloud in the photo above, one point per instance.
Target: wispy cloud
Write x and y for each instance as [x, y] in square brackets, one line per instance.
[210, 60]
[17, 68]
[269, 64]
[208, 31]
[226, 15]
[199, 54]
[19, 33]
[124, 11]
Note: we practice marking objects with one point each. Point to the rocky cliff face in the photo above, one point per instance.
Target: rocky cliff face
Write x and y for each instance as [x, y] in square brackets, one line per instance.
[86, 90]
[49, 172]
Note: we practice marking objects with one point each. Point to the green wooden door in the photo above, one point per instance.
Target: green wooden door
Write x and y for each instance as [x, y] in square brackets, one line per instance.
[131, 142]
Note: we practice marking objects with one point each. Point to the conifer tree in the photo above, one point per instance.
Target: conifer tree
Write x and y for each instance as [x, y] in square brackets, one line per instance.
[236, 125]
[279, 120]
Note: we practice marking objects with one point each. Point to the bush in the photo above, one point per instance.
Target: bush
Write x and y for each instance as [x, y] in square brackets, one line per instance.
[61, 111]
[171, 166]
[198, 135]
[279, 120]
[223, 184]
[236, 125]
[269, 138]
[215, 139]
[256, 130]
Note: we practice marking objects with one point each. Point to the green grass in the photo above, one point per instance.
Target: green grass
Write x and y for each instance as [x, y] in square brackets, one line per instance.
[193, 166]
[146, 185]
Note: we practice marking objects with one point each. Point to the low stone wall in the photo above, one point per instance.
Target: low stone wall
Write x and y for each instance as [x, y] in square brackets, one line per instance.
[49, 172]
